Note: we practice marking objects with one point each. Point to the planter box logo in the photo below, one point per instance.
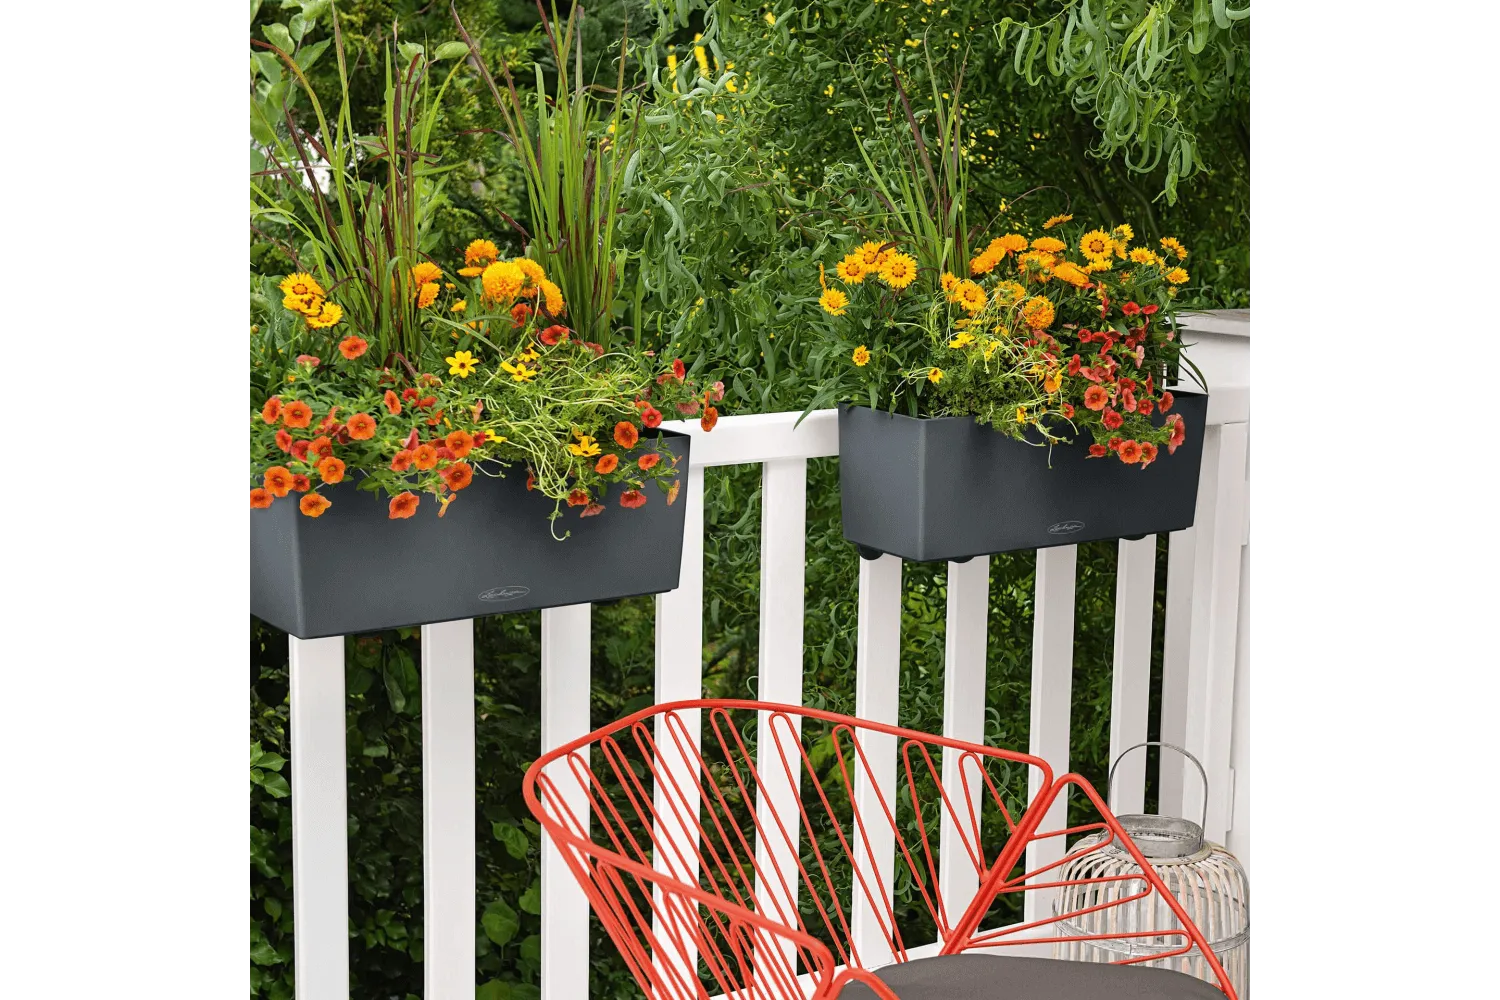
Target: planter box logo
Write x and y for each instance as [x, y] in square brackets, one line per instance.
[1065, 527]
[509, 593]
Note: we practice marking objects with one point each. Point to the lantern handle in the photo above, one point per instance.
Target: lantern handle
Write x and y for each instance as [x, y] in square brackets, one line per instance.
[1203, 824]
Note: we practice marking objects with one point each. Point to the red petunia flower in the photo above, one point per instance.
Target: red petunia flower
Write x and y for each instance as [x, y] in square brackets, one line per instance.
[1130, 452]
[1144, 407]
[606, 464]
[392, 403]
[1075, 363]
[361, 427]
[626, 435]
[578, 498]
[1127, 400]
[426, 402]
[271, 412]
[458, 475]
[651, 416]
[1068, 410]
[296, 415]
[444, 453]
[404, 505]
[314, 504]
[592, 510]
[260, 498]
[321, 446]
[530, 480]
[311, 360]
[679, 370]
[1166, 401]
[689, 409]
[299, 450]
[1097, 451]
[1150, 310]
[283, 440]
[1148, 453]
[632, 499]
[1095, 397]
[649, 460]
[598, 349]
[519, 314]
[479, 438]
[301, 483]
[409, 394]
[401, 461]
[1130, 309]
[1179, 432]
[717, 392]
[1113, 444]
[710, 418]
[1112, 420]
[554, 335]
[352, 347]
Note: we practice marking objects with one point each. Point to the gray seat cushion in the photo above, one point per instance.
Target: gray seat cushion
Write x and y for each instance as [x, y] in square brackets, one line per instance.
[1000, 977]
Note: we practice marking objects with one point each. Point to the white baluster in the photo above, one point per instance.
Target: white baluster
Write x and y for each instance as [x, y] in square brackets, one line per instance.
[448, 807]
[1051, 704]
[1129, 708]
[964, 651]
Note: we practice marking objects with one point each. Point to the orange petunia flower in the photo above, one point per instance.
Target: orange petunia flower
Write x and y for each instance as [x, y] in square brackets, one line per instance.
[460, 443]
[626, 435]
[392, 403]
[458, 475]
[672, 491]
[606, 464]
[296, 414]
[1166, 401]
[301, 483]
[278, 480]
[578, 498]
[1179, 432]
[592, 510]
[1148, 453]
[632, 499]
[651, 416]
[1097, 451]
[649, 460]
[1112, 420]
[1130, 452]
[425, 457]
[401, 461]
[710, 418]
[553, 335]
[331, 469]
[271, 412]
[321, 446]
[283, 440]
[314, 504]
[519, 314]
[260, 498]
[352, 347]
[404, 505]
[1095, 397]
[361, 427]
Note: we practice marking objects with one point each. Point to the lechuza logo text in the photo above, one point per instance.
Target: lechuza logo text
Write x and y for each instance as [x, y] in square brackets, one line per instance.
[508, 593]
[1065, 527]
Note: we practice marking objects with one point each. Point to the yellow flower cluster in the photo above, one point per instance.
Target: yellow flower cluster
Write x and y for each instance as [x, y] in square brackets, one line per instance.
[504, 281]
[304, 296]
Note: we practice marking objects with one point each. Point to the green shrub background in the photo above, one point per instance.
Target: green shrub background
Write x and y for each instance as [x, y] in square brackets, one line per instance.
[731, 219]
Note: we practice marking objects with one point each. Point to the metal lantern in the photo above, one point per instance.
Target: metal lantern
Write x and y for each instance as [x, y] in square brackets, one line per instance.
[1206, 879]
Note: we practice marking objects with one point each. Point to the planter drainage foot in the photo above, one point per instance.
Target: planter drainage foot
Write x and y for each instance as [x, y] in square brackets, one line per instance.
[865, 552]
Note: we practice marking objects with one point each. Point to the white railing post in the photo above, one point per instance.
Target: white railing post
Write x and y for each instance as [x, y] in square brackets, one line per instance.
[964, 648]
[1051, 705]
[783, 544]
[565, 717]
[679, 677]
[1129, 708]
[320, 819]
[877, 697]
[448, 806]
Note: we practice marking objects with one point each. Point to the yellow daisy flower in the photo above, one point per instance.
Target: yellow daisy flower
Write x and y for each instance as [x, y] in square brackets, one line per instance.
[462, 364]
[861, 356]
[949, 281]
[307, 304]
[458, 306]
[935, 376]
[520, 373]
[970, 296]
[1096, 245]
[1124, 233]
[1048, 244]
[301, 284]
[898, 270]
[330, 314]
[851, 269]
[1140, 255]
[870, 254]
[1171, 243]
[1177, 276]
[834, 302]
[585, 447]
[1056, 220]
[961, 341]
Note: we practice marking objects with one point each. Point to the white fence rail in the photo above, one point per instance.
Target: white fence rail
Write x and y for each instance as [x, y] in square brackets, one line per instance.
[1205, 694]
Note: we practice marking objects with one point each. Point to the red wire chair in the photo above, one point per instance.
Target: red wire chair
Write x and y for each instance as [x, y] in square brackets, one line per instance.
[793, 874]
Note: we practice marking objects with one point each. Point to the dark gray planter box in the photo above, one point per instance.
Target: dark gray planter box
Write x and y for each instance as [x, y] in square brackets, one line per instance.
[356, 570]
[950, 488]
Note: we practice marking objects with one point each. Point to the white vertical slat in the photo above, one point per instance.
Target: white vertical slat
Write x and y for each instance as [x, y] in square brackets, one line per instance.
[448, 804]
[783, 538]
[1051, 704]
[1211, 658]
[320, 819]
[964, 649]
[679, 677]
[877, 697]
[1176, 631]
[1238, 838]
[565, 717]
[1130, 700]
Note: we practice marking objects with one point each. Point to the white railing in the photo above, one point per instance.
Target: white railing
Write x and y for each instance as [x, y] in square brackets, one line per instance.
[1205, 694]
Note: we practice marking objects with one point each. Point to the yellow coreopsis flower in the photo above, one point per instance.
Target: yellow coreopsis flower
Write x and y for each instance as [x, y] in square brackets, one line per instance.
[861, 356]
[301, 284]
[851, 269]
[834, 302]
[1096, 245]
[458, 306]
[935, 376]
[899, 270]
[962, 340]
[1140, 255]
[1053, 381]
[949, 281]
[519, 372]
[1177, 276]
[970, 296]
[330, 314]
[1056, 220]
[462, 364]
[585, 447]
[1124, 233]
[1171, 243]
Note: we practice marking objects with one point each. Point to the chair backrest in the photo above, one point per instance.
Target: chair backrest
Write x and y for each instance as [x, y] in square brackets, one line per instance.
[730, 847]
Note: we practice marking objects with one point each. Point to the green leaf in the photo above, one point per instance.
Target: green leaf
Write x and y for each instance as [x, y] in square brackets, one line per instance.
[409, 51]
[308, 54]
[531, 949]
[276, 785]
[269, 761]
[531, 899]
[450, 50]
[278, 35]
[516, 842]
[261, 953]
[500, 922]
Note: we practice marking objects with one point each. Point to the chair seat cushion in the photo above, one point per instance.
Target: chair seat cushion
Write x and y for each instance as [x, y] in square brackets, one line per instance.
[1000, 977]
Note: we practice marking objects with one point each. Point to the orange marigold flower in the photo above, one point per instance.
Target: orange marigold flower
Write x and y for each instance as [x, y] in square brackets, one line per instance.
[404, 505]
[260, 498]
[1130, 452]
[578, 498]
[649, 460]
[1095, 397]
[458, 475]
[278, 480]
[651, 416]
[392, 403]
[361, 427]
[606, 464]
[626, 435]
[632, 499]
[296, 414]
[481, 252]
[427, 295]
[460, 443]
[314, 504]
[401, 461]
[425, 273]
[331, 469]
[425, 457]
[271, 412]
[352, 347]
[710, 418]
